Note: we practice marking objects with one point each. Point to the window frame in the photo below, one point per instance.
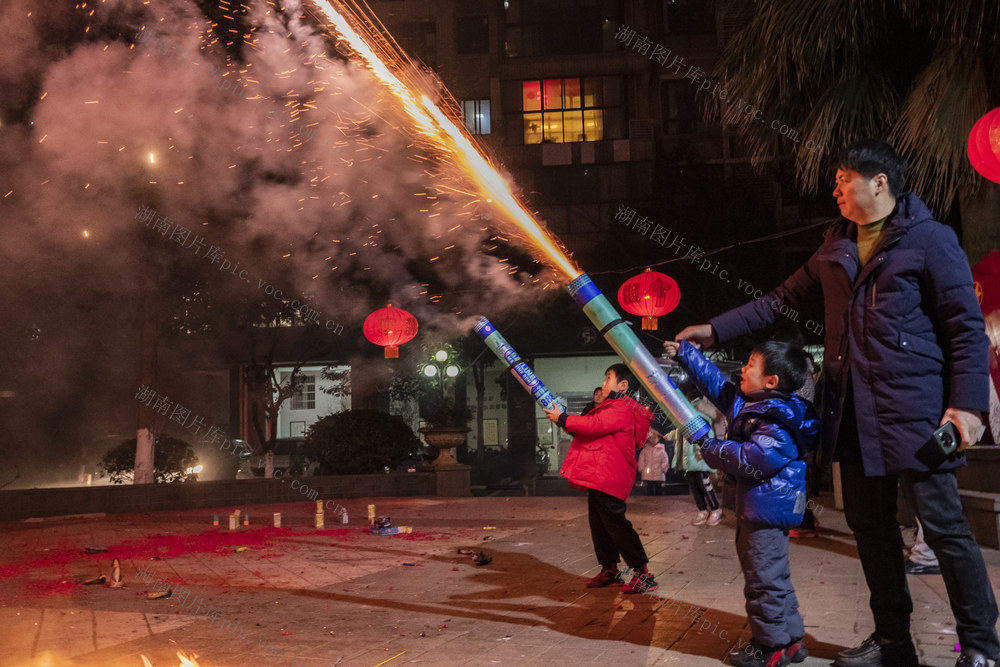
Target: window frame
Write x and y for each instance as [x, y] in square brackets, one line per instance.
[559, 107]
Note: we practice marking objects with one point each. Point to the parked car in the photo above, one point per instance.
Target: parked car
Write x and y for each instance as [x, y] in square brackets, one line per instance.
[292, 456]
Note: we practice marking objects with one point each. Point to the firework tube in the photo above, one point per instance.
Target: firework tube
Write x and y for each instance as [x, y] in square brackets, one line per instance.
[635, 355]
[518, 368]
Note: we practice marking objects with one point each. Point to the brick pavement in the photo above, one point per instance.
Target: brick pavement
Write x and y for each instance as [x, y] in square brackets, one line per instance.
[344, 597]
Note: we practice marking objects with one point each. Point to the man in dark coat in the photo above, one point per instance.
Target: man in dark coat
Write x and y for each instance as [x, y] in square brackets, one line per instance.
[904, 342]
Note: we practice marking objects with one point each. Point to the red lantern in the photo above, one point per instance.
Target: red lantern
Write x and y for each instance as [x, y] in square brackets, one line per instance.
[390, 327]
[984, 145]
[649, 294]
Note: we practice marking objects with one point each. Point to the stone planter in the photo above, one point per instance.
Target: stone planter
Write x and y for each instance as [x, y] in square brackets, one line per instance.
[445, 438]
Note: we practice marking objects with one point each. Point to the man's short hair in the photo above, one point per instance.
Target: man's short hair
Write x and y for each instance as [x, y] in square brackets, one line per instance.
[871, 157]
[622, 372]
[785, 360]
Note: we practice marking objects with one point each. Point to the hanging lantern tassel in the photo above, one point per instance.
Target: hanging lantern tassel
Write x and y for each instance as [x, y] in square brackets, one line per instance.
[649, 295]
[390, 327]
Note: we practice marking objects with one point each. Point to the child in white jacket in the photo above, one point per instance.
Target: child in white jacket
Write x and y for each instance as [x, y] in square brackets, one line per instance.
[653, 464]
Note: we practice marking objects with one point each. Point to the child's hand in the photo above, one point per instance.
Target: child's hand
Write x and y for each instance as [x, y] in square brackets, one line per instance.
[670, 348]
[553, 413]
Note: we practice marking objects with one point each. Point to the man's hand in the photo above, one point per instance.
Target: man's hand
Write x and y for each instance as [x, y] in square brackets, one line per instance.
[670, 348]
[968, 424]
[553, 413]
[699, 333]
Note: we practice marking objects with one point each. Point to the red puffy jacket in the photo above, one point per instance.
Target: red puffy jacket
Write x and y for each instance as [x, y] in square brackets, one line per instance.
[602, 454]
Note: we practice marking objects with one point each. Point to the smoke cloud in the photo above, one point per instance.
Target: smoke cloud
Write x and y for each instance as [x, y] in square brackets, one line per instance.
[240, 125]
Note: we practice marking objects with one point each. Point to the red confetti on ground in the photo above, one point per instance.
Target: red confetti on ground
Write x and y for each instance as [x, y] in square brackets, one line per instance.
[454, 569]
[159, 547]
[333, 532]
[47, 588]
[272, 555]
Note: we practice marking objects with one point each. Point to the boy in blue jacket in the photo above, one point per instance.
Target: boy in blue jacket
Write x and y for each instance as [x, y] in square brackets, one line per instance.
[770, 431]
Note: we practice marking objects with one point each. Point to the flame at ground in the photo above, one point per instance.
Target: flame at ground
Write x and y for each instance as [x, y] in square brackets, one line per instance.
[185, 660]
[440, 129]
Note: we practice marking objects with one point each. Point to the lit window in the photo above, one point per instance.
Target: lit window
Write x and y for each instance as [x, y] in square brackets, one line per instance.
[476, 114]
[305, 398]
[562, 110]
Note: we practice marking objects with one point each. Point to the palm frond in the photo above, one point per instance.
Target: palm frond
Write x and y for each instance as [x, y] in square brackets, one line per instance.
[974, 21]
[934, 121]
[919, 72]
[859, 104]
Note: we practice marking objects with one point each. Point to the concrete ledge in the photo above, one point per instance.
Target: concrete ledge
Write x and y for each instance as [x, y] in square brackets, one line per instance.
[983, 511]
[121, 499]
[983, 470]
[453, 480]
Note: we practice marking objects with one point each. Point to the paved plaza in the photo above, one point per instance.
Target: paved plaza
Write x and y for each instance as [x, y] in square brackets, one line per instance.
[297, 596]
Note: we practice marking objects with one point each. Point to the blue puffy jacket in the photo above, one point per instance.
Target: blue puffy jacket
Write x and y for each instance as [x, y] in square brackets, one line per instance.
[769, 433]
[905, 330]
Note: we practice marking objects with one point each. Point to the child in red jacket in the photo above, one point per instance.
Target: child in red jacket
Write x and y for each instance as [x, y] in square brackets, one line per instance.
[601, 459]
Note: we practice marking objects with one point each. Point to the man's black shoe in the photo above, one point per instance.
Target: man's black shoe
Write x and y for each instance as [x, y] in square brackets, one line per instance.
[875, 652]
[974, 659]
[917, 568]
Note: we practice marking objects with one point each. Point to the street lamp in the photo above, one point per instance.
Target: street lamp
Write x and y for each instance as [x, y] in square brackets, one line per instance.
[446, 419]
[438, 367]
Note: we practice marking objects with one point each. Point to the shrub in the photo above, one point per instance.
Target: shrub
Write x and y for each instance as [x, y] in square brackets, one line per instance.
[439, 411]
[171, 458]
[356, 442]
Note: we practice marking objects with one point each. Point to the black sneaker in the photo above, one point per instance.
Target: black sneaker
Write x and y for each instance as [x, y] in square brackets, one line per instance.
[606, 577]
[641, 583]
[974, 659]
[796, 651]
[917, 568]
[875, 652]
[758, 655]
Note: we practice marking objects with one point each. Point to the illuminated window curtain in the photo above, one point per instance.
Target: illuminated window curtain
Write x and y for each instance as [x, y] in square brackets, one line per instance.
[562, 110]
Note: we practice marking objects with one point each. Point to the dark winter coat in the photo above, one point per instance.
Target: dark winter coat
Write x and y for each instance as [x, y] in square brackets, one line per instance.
[905, 330]
[605, 442]
[769, 433]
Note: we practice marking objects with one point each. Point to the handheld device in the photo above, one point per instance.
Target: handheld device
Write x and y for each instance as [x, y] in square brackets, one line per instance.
[942, 444]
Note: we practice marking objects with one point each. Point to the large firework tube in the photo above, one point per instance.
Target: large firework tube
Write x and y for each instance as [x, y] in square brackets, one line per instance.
[518, 368]
[635, 355]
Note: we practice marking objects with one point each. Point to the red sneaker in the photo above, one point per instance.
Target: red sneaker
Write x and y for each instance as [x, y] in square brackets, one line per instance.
[607, 577]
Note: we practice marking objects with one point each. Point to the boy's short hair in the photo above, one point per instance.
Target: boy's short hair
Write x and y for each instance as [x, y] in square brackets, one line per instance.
[622, 372]
[785, 360]
[871, 157]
